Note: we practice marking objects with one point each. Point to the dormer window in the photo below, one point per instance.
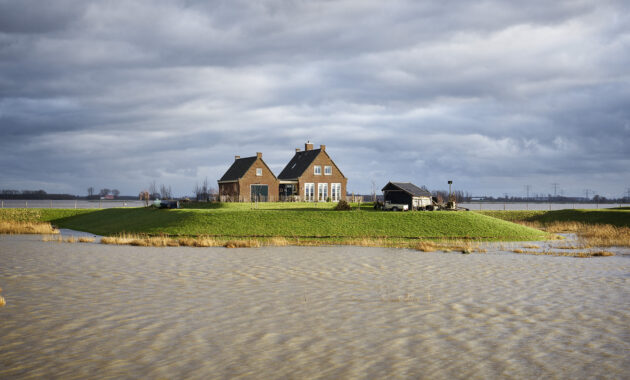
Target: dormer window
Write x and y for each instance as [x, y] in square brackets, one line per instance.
[327, 170]
[259, 172]
[318, 170]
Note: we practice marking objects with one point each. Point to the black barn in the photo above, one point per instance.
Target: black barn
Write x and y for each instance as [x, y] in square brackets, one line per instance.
[407, 193]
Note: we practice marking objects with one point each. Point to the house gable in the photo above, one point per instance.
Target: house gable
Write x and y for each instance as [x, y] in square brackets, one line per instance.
[236, 184]
[238, 169]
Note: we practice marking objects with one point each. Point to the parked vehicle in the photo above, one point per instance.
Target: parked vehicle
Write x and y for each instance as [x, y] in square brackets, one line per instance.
[389, 206]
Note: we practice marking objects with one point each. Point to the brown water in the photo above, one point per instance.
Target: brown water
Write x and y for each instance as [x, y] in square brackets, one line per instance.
[96, 311]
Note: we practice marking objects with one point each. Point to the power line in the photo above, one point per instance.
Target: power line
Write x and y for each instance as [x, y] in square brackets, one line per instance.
[528, 188]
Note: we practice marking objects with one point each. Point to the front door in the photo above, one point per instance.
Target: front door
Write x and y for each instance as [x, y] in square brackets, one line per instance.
[259, 193]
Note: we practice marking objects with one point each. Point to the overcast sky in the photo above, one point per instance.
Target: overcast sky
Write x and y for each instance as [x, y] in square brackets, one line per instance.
[492, 95]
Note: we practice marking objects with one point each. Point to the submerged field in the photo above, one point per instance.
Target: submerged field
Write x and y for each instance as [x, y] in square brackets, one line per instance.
[307, 313]
[280, 220]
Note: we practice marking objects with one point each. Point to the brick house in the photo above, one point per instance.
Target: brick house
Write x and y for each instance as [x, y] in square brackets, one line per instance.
[312, 176]
[248, 179]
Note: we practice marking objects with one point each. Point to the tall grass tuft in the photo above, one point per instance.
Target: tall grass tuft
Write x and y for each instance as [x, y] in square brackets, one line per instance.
[250, 243]
[17, 227]
[591, 235]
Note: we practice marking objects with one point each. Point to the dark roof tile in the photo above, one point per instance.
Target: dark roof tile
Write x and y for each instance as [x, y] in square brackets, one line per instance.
[238, 169]
[409, 188]
[298, 164]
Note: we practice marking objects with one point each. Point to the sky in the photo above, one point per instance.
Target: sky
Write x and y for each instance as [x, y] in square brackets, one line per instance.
[493, 95]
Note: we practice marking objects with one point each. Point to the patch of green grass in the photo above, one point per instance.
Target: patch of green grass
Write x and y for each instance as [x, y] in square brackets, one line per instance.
[292, 222]
[619, 217]
[40, 214]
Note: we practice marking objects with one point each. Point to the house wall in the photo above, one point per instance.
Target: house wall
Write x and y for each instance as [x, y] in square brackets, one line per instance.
[250, 178]
[229, 192]
[309, 176]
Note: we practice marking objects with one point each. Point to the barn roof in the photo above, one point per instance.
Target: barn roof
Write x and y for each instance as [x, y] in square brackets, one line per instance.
[238, 169]
[408, 188]
[298, 164]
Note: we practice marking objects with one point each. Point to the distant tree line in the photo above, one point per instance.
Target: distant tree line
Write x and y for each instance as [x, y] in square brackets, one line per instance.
[155, 192]
[552, 199]
[32, 194]
[102, 193]
[456, 195]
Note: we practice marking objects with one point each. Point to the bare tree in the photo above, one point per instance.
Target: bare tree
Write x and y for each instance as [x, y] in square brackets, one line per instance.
[144, 196]
[197, 191]
[90, 191]
[373, 191]
[104, 192]
[165, 191]
[205, 189]
[153, 192]
[115, 193]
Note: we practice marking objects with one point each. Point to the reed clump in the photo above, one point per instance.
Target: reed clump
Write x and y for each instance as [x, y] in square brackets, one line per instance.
[456, 245]
[278, 241]
[581, 254]
[590, 235]
[85, 239]
[2, 301]
[250, 243]
[56, 239]
[19, 227]
[426, 246]
[200, 241]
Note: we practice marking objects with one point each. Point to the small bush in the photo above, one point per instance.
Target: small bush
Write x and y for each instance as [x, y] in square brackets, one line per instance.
[342, 206]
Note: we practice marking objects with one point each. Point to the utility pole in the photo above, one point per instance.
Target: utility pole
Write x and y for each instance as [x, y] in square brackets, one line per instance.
[527, 188]
[555, 189]
[586, 191]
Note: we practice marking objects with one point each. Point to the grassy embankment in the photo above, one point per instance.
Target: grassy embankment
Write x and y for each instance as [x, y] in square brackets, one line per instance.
[283, 224]
[595, 228]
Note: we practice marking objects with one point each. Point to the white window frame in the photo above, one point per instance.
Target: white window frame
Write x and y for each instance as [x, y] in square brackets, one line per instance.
[258, 172]
[327, 170]
[322, 192]
[317, 170]
[309, 192]
[335, 192]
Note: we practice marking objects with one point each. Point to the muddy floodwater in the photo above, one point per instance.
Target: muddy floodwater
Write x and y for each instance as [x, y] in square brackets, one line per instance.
[97, 311]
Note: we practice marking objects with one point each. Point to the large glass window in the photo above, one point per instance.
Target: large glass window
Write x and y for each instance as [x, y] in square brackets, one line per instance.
[322, 192]
[309, 189]
[335, 192]
[318, 170]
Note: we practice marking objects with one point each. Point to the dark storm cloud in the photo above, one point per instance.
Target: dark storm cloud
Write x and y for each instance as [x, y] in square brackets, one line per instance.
[494, 95]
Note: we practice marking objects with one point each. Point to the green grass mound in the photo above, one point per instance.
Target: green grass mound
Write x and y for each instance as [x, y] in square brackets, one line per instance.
[619, 217]
[290, 222]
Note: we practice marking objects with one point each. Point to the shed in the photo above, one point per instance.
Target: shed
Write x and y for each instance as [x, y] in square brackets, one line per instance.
[407, 193]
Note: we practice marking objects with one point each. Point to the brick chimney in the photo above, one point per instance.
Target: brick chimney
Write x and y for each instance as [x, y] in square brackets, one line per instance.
[308, 146]
[236, 157]
[258, 154]
[322, 147]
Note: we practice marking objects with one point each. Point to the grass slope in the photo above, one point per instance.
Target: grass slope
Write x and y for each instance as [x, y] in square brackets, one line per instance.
[619, 217]
[287, 222]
